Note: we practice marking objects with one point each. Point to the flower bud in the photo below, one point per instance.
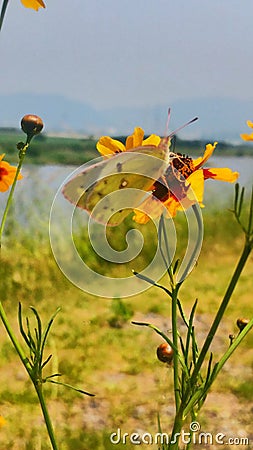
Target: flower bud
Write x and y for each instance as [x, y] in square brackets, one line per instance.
[241, 323]
[20, 145]
[231, 338]
[31, 125]
[165, 353]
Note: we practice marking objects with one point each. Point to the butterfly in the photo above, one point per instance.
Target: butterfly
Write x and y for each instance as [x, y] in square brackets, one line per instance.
[110, 189]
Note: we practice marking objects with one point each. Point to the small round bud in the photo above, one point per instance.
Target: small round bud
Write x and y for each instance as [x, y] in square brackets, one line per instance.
[165, 353]
[231, 338]
[20, 145]
[31, 125]
[241, 323]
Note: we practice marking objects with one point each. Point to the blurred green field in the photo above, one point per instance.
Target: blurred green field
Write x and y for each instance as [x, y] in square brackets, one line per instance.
[95, 346]
[67, 150]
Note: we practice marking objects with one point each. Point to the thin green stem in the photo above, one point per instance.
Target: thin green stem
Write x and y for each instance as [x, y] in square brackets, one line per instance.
[250, 229]
[31, 374]
[8, 203]
[202, 391]
[177, 427]
[175, 344]
[168, 261]
[14, 340]
[197, 246]
[230, 350]
[3, 11]
[244, 256]
[50, 430]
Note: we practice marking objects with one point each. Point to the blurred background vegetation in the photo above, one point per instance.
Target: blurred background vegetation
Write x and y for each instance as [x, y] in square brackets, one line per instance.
[95, 346]
[67, 150]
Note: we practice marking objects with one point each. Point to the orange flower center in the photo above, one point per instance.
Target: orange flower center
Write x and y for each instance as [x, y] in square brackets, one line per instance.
[173, 182]
[3, 173]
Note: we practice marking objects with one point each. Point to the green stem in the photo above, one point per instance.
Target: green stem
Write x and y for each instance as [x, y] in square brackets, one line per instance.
[8, 204]
[177, 427]
[14, 340]
[28, 368]
[44, 409]
[175, 344]
[206, 386]
[244, 256]
[3, 11]
[231, 350]
[197, 246]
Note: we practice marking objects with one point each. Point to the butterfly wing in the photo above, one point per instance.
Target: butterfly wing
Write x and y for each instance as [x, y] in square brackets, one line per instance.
[136, 169]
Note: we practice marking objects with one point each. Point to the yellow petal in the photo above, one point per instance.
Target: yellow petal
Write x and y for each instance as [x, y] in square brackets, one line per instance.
[247, 137]
[221, 174]
[172, 205]
[195, 192]
[136, 139]
[140, 217]
[208, 152]
[150, 208]
[4, 186]
[108, 146]
[153, 139]
[34, 4]
[249, 123]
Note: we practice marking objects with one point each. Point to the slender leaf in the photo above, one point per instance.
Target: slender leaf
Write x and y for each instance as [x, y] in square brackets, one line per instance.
[183, 316]
[46, 361]
[45, 334]
[241, 202]
[236, 196]
[32, 344]
[39, 325]
[21, 329]
[53, 375]
[189, 331]
[143, 277]
[71, 387]
[250, 228]
[209, 367]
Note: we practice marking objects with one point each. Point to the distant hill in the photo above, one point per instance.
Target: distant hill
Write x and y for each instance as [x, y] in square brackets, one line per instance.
[222, 118]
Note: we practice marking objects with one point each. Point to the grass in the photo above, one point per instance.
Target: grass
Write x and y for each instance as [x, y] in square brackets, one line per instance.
[95, 346]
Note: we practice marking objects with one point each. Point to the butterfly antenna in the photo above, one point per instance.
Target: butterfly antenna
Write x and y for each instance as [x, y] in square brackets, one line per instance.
[168, 120]
[166, 137]
[182, 126]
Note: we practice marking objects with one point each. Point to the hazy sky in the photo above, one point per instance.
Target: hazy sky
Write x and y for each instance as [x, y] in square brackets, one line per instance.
[123, 52]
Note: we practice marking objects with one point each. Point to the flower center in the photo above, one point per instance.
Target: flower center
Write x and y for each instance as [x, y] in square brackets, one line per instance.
[173, 182]
[183, 164]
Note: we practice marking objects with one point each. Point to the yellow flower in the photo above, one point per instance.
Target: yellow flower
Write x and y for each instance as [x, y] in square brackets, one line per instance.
[108, 146]
[183, 182]
[2, 421]
[248, 137]
[34, 4]
[182, 185]
[7, 174]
